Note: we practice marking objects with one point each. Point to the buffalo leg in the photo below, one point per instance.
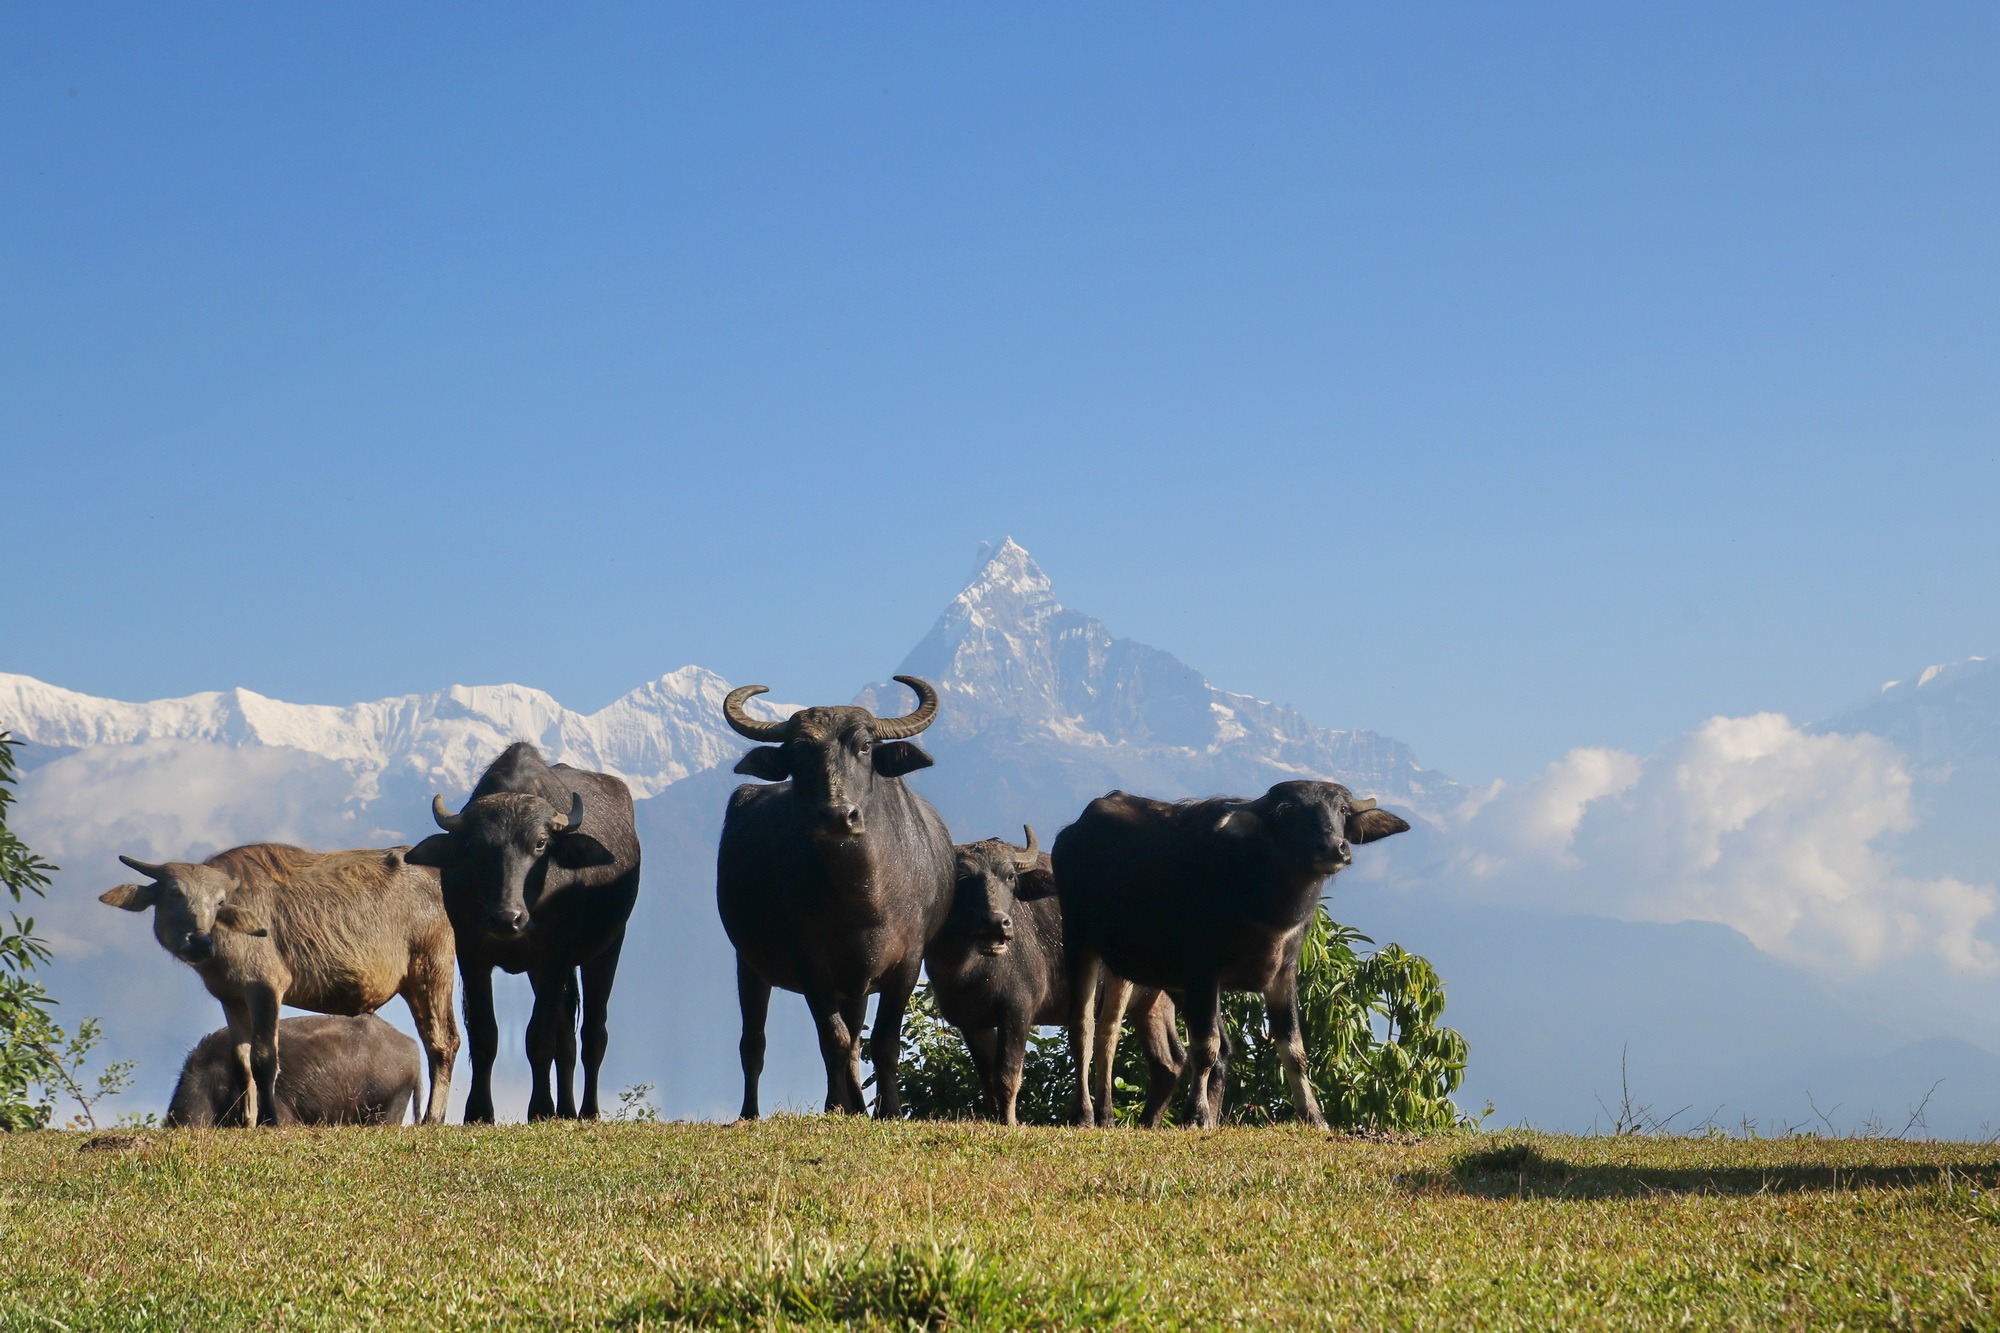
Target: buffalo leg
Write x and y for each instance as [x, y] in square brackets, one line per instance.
[541, 1053]
[983, 1044]
[1111, 1000]
[552, 1043]
[1204, 1020]
[238, 1015]
[1084, 969]
[565, 1040]
[482, 1037]
[1218, 1078]
[262, 1006]
[836, 1049]
[885, 1046]
[1281, 1016]
[1165, 1057]
[428, 993]
[753, 997]
[855, 1015]
[1012, 1056]
[597, 976]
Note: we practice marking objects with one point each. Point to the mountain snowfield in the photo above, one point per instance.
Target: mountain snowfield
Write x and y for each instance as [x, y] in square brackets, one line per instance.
[1841, 863]
[1005, 653]
[652, 737]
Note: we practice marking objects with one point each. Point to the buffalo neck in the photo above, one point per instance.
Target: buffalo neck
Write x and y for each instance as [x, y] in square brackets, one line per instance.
[1287, 890]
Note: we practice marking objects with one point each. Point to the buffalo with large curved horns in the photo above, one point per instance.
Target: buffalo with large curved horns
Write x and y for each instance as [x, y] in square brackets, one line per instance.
[831, 881]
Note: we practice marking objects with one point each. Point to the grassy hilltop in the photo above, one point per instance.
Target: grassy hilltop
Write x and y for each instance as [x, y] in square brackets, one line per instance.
[803, 1220]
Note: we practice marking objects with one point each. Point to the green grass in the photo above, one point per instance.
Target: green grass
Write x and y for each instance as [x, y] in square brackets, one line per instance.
[810, 1222]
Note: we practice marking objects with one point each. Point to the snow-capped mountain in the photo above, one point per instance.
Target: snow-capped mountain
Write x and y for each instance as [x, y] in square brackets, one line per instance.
[1019, 673]
[1946, 721]
[1043, 708]
[1039, 696]
[652, 737]
[1946, 715]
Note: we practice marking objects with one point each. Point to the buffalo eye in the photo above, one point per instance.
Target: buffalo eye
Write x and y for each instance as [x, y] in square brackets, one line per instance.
[541, 845]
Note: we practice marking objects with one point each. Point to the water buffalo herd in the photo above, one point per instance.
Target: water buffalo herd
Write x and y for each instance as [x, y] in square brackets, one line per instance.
[834, 879]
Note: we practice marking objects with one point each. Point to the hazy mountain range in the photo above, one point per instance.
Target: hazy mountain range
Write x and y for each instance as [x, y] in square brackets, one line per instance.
[1736, 983]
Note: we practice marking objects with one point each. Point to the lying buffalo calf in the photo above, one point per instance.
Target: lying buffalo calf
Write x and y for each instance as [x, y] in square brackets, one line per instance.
[998, 969]
[1200, 897]
[331, 1071]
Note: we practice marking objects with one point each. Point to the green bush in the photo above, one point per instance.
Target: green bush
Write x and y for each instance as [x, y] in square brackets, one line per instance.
[1374, 1050]
[1399, 1077]
[939, 1081]
[38, 1059]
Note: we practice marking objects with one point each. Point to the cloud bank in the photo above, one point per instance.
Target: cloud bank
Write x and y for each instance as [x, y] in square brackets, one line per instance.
[1748, 821]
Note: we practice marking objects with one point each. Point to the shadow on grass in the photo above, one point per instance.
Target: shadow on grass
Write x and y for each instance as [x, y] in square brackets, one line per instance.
[908, 1287]
[1522, 1170]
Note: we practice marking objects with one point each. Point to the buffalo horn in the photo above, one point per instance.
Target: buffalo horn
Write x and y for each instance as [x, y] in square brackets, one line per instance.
[149, 871]
[446, 820]
[1360, 804]
[572, 821]
[743, 724]
[1024, 861]
[896, 728]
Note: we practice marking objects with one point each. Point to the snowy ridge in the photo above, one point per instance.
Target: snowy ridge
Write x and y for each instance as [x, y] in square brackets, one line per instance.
[652, 737]
[1035, 689]
[1948, 715]
[1011, 661]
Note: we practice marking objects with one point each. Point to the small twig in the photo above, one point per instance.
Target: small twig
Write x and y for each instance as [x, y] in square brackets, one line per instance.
[1917, 1116]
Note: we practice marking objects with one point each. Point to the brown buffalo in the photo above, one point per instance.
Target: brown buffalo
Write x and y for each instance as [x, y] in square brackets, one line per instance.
[335, 932]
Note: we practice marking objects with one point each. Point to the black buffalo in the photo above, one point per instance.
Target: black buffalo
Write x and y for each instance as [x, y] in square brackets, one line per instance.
[1202, 897]
[998, 969]
[540, 871]
[831, 882]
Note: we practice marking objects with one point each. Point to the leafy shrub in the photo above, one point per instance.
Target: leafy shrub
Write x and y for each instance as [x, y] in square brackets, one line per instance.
[939, 1081]
[1399, 1077]
[38, 1059]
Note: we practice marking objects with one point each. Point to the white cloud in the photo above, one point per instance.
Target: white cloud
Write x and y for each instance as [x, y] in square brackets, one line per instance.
[170, 800]
[1749, 821]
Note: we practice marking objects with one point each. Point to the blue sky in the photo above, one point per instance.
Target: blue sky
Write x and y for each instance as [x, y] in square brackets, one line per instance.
[1504, 379]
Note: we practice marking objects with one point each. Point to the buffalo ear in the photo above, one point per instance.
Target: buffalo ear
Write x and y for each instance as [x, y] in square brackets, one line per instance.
[131, 897]
[895, 758]
[1033, 884]
[766, 762]
[433, 851]
[579, 851]
[1240, 823]
[230, 916]
[1368, 825]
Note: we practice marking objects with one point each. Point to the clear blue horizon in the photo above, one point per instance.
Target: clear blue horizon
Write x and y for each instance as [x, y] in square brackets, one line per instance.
[1502, 381]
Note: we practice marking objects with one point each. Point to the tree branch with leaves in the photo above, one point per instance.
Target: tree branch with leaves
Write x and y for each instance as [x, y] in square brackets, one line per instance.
[39, 1060]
